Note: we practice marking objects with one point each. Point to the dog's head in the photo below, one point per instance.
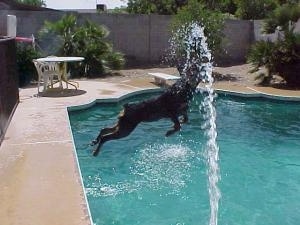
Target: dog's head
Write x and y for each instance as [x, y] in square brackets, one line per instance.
[194, 71]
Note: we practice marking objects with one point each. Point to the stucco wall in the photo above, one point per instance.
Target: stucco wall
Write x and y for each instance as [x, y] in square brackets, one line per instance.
[142, 38]
[237, 40]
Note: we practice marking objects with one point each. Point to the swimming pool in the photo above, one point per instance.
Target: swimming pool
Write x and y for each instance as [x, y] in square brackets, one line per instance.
[147, 178]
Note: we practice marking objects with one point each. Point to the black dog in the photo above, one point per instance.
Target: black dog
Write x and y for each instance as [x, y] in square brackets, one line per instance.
[173, 104]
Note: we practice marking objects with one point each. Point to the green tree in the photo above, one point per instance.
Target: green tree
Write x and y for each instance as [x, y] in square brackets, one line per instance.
[212, 21]
[164, 7]
[281, 16]
[254, 9]
[40, 3]
[119, 10]
[171, 7]
[225, 6]
[281, 2]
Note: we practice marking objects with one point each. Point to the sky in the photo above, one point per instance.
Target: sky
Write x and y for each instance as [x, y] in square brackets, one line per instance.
[83, 4]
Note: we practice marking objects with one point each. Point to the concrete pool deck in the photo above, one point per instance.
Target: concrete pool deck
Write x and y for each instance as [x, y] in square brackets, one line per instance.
[39, 177]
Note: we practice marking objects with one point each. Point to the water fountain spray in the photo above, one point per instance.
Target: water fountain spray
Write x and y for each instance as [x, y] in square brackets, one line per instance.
[190, 52]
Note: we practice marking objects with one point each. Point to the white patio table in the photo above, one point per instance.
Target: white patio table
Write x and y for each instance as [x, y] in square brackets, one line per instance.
[62, 61]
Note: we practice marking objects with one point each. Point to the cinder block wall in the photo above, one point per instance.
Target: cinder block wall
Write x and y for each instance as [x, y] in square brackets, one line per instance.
[9, 92]
[238, 37]
[142, 38]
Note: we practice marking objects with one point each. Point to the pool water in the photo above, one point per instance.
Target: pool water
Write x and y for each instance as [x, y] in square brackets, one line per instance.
[147, 178]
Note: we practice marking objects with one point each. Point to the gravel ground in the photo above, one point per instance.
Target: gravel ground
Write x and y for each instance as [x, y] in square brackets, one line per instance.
[237, 73]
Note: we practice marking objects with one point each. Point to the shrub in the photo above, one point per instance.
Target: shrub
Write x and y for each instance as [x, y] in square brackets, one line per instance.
[88, 41]
[26, 70]
[98, 54]
[281, 57]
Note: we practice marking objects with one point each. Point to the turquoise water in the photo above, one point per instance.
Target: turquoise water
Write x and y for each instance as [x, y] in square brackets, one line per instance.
[149, 179]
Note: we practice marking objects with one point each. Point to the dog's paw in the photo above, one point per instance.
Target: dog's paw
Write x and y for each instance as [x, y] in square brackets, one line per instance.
[169, 133]
[96, 152]
[93, 142]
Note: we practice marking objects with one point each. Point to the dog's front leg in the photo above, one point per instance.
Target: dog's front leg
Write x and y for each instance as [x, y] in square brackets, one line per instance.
[103, 139]
[176, 126]
[184, 112]
[184, 118]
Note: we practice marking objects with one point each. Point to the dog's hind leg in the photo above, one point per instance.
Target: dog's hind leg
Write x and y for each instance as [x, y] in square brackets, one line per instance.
[107, 137]
[104, 131]
[176, 126]
[108, 130]
[120, 132]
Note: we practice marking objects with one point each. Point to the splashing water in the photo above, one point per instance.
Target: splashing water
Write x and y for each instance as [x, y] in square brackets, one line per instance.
[189, 43]
[156, 167]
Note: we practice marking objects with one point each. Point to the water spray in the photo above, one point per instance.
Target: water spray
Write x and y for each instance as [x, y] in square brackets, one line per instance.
[189, 46]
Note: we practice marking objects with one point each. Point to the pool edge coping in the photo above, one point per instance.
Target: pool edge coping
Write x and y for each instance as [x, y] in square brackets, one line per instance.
[255, 94]
[111, 99]
[258, 94]
[86, 206]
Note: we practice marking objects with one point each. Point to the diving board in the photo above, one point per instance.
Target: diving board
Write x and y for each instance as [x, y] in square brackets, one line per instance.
[162, 78]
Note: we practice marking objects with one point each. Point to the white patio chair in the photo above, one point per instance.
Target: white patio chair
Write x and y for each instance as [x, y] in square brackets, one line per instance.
[47, 73]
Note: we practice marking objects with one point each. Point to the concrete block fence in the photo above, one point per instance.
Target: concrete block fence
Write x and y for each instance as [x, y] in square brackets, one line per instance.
[142, 38]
